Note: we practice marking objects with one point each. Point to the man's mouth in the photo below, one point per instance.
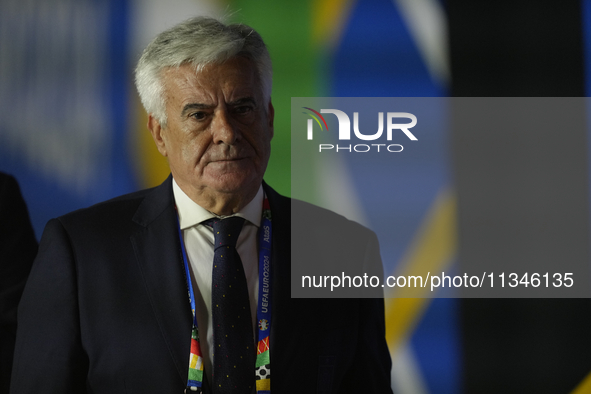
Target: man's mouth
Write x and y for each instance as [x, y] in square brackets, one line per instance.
[228, 160]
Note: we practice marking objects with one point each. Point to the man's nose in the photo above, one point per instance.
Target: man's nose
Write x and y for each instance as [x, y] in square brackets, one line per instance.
[224, 129]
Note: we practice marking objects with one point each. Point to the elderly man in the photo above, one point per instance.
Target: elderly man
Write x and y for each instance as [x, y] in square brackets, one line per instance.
[106, 309]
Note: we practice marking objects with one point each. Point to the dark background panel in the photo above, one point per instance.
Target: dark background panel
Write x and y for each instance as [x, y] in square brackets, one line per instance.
[520, 49]
[516, 48]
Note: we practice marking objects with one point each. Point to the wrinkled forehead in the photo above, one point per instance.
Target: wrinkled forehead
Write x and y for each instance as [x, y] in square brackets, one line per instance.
[235, 76]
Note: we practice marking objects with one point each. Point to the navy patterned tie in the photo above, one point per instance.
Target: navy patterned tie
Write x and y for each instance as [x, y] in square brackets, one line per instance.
[234, 352]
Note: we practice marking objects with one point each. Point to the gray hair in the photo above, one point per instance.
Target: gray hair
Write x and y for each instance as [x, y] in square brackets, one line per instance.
[198, 41]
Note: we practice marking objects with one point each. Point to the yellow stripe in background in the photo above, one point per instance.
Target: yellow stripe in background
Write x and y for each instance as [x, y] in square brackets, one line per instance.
[433, 250]
[328, 21]
[584, 387]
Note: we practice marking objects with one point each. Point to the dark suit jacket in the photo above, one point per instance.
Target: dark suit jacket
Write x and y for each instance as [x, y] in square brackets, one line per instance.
[18, 248]
[105, 310]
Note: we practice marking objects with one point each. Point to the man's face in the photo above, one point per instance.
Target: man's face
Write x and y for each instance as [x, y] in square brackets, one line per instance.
[219, 129]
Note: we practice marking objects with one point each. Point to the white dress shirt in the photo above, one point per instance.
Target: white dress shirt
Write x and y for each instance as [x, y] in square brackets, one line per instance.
[198, 240]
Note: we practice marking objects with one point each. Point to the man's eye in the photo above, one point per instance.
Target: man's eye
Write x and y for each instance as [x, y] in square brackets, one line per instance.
[199, 115]
[243, 109]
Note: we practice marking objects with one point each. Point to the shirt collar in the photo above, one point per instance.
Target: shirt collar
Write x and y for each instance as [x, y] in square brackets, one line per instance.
[190, 213]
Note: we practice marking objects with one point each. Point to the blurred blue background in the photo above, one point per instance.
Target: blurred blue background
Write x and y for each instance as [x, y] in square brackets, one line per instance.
[73, 133]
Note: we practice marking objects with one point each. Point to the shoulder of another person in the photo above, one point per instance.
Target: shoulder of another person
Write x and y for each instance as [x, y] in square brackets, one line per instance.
[9, 190]
[7, 180]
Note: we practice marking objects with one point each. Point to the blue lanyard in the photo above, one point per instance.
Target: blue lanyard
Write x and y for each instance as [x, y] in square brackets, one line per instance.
[264, 301]
[263, 308]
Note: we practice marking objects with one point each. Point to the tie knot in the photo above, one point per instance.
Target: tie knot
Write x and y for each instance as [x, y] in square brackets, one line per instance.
[227, 230]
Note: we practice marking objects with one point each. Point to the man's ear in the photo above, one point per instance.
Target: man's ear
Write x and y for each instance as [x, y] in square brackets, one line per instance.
[271, 117]
[156, 130]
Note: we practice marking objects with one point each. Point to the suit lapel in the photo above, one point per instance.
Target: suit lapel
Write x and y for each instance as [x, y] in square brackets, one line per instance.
[157, 249]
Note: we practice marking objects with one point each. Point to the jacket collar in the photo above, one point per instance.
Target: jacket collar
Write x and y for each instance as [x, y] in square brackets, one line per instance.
[158, 200]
